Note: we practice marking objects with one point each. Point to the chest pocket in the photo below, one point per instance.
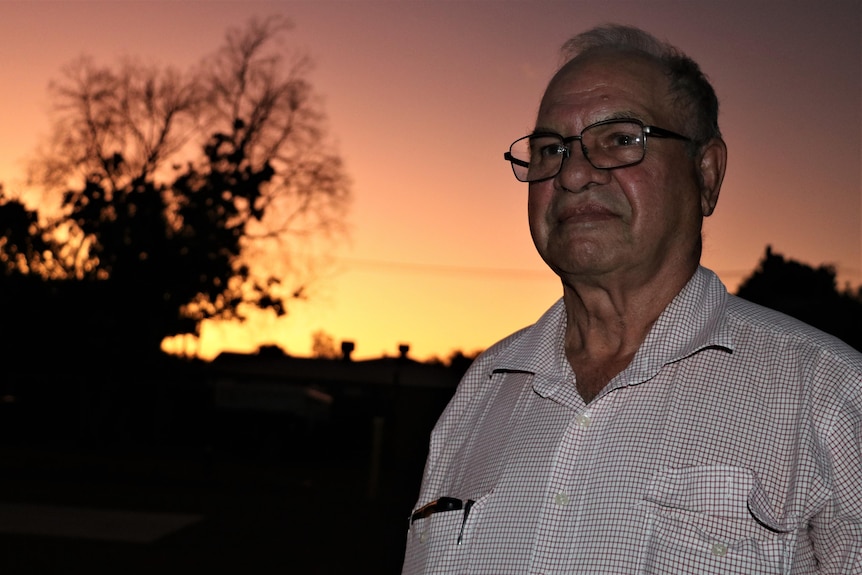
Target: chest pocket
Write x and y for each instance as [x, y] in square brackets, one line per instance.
[442, 542]
[711, 519]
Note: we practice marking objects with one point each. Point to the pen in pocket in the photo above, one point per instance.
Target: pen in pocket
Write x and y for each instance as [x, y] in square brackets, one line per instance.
[467, 507]
[445, 504]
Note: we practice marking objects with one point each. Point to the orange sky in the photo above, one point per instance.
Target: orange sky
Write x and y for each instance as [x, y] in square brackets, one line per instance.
[423, 97]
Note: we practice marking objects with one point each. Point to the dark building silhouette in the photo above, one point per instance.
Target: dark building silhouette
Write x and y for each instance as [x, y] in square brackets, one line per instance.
[311, 408]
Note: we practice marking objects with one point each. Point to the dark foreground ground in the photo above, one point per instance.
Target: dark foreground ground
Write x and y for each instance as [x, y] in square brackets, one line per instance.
[67, 510]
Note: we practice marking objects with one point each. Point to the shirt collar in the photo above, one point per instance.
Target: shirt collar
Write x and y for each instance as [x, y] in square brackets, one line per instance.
[694, 320]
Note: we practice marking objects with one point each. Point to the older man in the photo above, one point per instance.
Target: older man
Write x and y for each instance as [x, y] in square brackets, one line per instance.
[648, 422]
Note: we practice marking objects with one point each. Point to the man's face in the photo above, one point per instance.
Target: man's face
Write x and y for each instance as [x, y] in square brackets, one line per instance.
[588, 222]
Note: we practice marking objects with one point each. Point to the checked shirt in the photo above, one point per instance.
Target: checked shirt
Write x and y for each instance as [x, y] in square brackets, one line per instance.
[732, 443]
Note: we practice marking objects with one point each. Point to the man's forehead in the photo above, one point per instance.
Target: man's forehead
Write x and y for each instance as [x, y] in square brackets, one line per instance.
[608, 65]
[604, 76]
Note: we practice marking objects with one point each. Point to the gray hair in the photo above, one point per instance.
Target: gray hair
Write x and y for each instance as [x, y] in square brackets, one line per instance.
[689, 85]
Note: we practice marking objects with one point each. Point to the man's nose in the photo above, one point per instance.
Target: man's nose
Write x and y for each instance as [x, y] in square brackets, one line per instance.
[576, 171]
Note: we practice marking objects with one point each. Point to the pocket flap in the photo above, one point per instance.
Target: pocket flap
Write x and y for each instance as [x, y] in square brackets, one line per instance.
[720, 491]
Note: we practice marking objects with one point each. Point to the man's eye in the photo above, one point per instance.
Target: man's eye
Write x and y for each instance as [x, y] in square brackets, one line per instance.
[552, 150]
[622, 140]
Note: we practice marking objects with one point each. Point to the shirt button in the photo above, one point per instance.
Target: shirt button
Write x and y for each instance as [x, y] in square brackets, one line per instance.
[583, 420]
[423, 537]
[719, 549]
[561, 499]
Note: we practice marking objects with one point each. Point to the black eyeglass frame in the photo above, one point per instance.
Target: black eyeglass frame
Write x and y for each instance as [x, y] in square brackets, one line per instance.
[646, 129]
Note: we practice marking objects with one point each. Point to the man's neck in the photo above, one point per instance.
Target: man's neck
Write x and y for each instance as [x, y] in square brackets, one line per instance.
[608, 320]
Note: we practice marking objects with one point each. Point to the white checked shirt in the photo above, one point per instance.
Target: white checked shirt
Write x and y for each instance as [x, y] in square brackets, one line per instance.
[731, 444]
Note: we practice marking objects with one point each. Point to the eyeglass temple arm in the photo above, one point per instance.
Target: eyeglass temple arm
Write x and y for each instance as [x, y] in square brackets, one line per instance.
[509, 158]
[662, 133]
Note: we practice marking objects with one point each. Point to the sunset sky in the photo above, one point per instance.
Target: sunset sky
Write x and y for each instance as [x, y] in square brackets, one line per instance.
[423, 98]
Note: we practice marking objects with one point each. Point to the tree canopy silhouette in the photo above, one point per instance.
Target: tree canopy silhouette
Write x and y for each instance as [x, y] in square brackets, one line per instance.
[806, 293]
[183, 196]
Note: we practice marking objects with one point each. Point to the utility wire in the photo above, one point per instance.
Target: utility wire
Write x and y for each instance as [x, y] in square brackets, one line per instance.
[523, 273]
[447, 268]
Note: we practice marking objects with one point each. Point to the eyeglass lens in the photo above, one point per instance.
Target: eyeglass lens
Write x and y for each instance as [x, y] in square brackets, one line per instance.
[606, 145]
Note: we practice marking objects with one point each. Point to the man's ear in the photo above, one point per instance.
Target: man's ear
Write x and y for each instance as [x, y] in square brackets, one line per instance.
[713, 160]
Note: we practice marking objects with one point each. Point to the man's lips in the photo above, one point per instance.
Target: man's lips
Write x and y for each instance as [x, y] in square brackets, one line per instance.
[584, 214]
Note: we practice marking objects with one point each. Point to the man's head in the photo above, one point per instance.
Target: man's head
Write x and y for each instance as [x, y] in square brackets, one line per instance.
[643, 219]
[694, 97]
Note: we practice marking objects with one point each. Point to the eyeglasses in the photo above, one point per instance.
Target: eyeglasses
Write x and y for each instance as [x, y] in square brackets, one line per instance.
[606, 145]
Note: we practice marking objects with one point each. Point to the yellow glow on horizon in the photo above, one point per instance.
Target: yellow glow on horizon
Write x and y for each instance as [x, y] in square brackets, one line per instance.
[435, 311]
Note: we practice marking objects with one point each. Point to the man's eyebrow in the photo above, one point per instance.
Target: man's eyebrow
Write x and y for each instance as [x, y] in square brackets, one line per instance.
[624, 115]
[539, 131]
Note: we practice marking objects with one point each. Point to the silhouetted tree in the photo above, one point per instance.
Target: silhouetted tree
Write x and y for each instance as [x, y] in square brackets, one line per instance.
[173, 185]
[24, 247]
[323, 345]
[806, 293]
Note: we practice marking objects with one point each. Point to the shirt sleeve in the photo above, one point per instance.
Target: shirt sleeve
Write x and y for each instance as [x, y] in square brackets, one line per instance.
[836, 531]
